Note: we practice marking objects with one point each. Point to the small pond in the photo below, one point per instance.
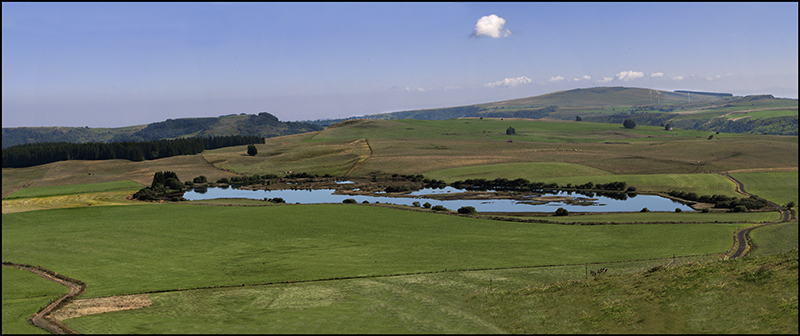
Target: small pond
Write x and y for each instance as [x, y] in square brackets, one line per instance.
[598, 203]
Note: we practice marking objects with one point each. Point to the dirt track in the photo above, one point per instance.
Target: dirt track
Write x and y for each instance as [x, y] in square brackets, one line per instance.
[43, 318]
[742, 238]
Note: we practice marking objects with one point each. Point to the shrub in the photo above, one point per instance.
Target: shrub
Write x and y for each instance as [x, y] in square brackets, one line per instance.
[251, 150]
[644, 210]
[678, 210]
[740, 208]
[705, 210]
[562, 212]
[349, 201]
[200, 179]
[223, 180]
[628, 123]
[365, 202]
[426, 205]
[439, 208]
[416, 204]
[467, 210]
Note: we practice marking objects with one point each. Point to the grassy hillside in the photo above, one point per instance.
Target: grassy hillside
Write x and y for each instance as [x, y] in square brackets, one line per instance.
[709, 111]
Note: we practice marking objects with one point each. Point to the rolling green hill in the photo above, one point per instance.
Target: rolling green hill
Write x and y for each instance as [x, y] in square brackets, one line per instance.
[262, 124]
[705, 111]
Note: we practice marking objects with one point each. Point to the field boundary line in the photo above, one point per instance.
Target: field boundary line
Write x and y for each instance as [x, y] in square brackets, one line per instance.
[268, 283]
[43, 318]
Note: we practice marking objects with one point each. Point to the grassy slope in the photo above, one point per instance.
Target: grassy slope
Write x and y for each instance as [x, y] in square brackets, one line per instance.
[73, 189]
[131, 249]
[750, 295]
[779, 187]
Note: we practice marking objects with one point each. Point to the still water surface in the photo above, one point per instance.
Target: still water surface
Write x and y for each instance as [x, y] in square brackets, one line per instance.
[603, 204]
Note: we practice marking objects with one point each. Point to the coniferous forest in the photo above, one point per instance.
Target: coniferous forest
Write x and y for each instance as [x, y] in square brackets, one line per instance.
[41, 153]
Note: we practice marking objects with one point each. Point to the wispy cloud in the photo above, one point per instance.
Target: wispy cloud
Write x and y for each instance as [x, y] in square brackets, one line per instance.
[629, 75]
[712, 77]
[678, 78]
[408, 88]
[584, 77]
[556, 79]
[491, 26]
[509, 82]
[656, 74]
[605, 80]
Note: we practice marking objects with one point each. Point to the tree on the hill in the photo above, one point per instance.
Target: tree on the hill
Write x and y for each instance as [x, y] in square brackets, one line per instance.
[668, 127]
[578, 118]
[511, 131]
[562, 212]
[628, 123]
[251, 150]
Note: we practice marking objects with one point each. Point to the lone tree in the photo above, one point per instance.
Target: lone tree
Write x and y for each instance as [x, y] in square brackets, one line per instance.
[628, 123]
[562, 212]
[668, 127]
[578, 118]
[251, 150]
[511, 131]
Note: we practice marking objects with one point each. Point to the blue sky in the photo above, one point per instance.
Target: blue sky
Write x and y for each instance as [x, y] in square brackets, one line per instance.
[122, 64]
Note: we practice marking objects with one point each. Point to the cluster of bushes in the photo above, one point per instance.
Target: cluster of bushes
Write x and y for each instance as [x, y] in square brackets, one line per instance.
[412, 178]
[274, 200]
[722, 201]
[164, 184]
[522, 184]
[392, 189]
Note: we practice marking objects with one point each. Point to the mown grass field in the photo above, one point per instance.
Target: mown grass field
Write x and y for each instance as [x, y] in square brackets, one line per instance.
[24, 293]
[74, 189]
[131, 249]
[149, 247]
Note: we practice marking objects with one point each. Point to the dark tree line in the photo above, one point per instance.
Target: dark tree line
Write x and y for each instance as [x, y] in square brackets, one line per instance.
[522, 184]
[41, 153]
[722, 201]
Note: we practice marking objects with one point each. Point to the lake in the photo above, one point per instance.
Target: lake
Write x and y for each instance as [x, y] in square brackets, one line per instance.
[602, 203]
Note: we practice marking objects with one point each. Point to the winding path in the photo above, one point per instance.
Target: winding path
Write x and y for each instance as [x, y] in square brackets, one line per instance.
[742, 238]
[43, 318]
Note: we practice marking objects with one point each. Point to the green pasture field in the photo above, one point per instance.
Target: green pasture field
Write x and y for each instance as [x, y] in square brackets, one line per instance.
[779, 187]
[763, 114]
[533, 171]
[771, 239]
[686, 216]
[24, 293]
[74, 189]
[134, 249]
[423, 303]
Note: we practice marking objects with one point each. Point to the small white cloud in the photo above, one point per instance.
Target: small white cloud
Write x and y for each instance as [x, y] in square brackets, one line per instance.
[629, 75]
[657, 74]
[556, 79]
[605, 80]
[585, 77]
[509, 82]
[491, 26]
[408, 88]
[678, 78]
[712, 77]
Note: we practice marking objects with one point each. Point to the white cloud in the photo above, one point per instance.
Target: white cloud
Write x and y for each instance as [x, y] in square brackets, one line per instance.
[509, 82]
[712, 77]
[491, 26]
[408, 88]
[657, 74]
[585, 77]
[678, 78]
[605, 80]
[556, 79]
[629, 75]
